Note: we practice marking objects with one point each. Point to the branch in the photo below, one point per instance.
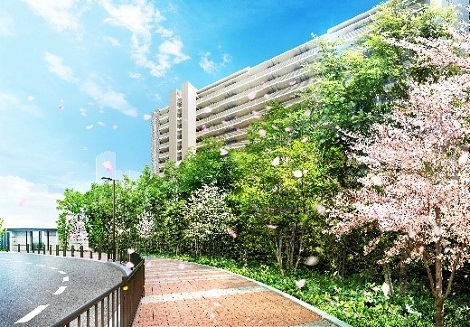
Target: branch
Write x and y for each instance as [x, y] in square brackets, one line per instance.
[452, 275]
[428, 271]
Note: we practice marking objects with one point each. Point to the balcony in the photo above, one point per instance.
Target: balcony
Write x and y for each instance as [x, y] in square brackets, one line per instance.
[305, 57]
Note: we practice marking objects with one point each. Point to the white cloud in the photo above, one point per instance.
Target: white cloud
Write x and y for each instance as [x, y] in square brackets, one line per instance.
[163, 32]
[26, 204]
[210, 66]
[11, 103]
[57, 67]
[135, 75]
[206, 64]
[114, 42]
[6, 25]
[63, 14]
[109, 98]
[173, 48]
[140, 18]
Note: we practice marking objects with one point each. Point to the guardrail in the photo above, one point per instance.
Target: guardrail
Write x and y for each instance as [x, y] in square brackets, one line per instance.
[116, 307]
[121, 255]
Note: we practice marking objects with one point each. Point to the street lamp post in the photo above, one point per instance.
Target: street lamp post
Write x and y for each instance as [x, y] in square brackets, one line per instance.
[114, 213]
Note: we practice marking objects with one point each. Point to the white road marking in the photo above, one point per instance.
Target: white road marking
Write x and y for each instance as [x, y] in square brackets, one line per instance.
[62, 272]
[65, 279]
[60, 290]
[53, 268]
[29, 263]
[18, 261]
[32, 314]
[38, 265]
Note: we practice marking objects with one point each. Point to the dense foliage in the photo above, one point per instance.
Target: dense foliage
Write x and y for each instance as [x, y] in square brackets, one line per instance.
[387, 98]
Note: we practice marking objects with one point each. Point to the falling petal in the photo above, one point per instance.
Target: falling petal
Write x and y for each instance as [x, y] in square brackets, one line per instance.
[149, 263]
[256, 114]
[275, 162]
[130, 251]
[114, 126]
[30, 98]
[304, 139]
[223, 152]
[300, 283]
[293, 82]
[101, 123]
[386, 288]
[21, 202]
[129, 265]
[61, 106]
[231, 232]
[297, 173]
[321, 209]
[251, 95]
[262, 132]
[207, 110]
[288, 129]
[311, 261]
[463, 158]
[108, 165]
[271, 226]
[181, 266]
[267, 96]
[203, 128]
[376, 180]
[89, 126]
[308, 112]
[147, 116]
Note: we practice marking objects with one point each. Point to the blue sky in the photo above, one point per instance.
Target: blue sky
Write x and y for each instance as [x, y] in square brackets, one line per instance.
[80, 77]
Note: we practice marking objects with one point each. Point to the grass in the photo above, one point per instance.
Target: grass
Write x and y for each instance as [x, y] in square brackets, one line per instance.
[356, 300]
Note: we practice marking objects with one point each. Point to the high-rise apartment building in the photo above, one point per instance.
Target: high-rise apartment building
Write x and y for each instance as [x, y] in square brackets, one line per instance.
[226, 107]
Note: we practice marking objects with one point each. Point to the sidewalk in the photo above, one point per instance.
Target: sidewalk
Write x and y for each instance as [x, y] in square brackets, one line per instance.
[185, 294]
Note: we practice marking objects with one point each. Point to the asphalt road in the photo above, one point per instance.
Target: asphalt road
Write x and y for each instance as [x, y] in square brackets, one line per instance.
[39, 290]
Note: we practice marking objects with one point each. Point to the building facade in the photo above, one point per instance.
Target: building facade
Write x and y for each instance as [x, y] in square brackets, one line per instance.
[225, 108]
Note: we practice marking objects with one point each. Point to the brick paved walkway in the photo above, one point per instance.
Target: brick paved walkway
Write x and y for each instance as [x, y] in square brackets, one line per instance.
[184, 294]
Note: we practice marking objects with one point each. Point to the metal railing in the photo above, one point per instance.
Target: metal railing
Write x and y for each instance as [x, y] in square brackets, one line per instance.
[114, 308]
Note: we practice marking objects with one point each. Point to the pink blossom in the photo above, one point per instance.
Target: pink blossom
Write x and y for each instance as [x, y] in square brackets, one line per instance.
[275, 162]
[108, 165]
[262, 132]
[223, 152]
[251, 95]
[297, 173]
[231, 232]
[300, 283]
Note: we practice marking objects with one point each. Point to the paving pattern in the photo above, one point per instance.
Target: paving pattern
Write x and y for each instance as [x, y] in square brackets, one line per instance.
[184, 294]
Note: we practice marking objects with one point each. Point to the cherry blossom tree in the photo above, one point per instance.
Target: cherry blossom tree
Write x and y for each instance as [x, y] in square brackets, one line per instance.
[418, 174]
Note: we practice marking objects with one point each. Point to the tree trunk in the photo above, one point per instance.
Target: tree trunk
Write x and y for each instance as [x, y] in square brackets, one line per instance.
[403, 276]
[439, 314]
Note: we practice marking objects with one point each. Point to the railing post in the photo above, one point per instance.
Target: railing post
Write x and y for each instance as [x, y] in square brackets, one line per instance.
[27, 248]
[50, 249]
[81, 251]
[57, 250]
[91, 254]
[72, 250]
[64, 251]
[99, 253]
[19, 249]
